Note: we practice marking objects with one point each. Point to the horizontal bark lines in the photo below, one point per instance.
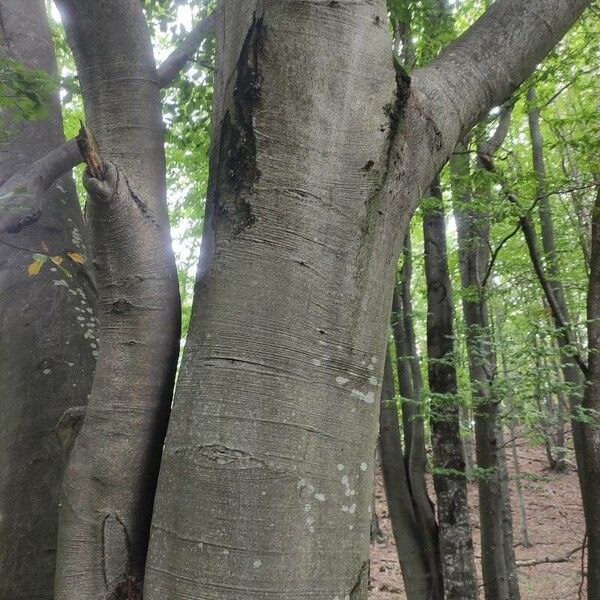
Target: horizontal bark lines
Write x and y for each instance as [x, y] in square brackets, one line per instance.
[282, 366]
[111, 477]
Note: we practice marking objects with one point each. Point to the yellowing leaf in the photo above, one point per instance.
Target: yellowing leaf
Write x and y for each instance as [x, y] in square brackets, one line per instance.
[76, 258]
[57, 260]
[34, 268]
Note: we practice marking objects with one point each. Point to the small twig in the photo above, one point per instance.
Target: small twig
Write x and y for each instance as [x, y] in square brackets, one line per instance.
[549, 559]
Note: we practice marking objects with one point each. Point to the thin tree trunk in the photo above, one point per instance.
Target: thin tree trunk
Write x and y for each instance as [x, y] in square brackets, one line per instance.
[499, 570]
[456, 545]
[410, 385]
[590, 474]
[47, 323]
[519, 486]
[543, 402]
[111, 475]
[571, 372]
[410, 544]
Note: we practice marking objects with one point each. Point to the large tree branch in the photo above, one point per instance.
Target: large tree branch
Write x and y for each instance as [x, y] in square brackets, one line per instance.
[483, 67]
[172, 65]
[22, 193]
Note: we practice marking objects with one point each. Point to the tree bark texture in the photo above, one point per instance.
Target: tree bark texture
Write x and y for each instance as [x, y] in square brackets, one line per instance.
[420, 582]
[275, 418]
[269, 457]
[111, 476]
[47, 321]
[456, 544]
[590, 432]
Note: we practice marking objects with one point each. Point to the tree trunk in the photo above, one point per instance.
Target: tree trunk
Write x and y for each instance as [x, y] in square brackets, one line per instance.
[518, 485]
[456, 545]
[285, 474]
[111, 476]
[571, 372]
[47, 322]
[269, 457]
[590, 441]
[497, 567]
[412, 547]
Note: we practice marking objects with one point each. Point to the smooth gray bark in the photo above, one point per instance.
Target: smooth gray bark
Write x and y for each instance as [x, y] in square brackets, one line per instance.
[419, 581]
[269, 458]
[47, 323]
[110, 479]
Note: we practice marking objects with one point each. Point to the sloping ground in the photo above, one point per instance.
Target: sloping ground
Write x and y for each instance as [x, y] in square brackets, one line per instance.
[554, 524]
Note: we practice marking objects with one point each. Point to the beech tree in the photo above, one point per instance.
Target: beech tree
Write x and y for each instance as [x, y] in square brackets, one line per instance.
[321, 150]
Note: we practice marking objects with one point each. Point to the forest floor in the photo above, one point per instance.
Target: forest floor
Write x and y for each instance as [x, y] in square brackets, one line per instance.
[554, 524]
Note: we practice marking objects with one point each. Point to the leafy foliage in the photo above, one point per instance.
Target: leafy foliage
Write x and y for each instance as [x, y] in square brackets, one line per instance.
[24, 92]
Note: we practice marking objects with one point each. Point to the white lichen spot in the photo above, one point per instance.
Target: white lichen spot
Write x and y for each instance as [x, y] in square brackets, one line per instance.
[373, 380]
[316, 362]
[60, 283]
[257, 564]
[352, 509]
[340, 467]
[226, 552]
[301, 483]
[311, 529]
[341, 380]
[307, 507]
[320, 497]
[71, 364]
[369, 397]
[345, 480]
[46, 371]
[310, 520]
[350, 527]
[363, 467]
